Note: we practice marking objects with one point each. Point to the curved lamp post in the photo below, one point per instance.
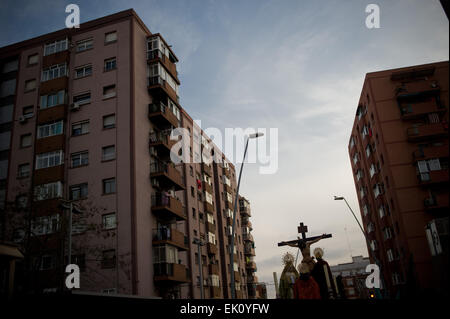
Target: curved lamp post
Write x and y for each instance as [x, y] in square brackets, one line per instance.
[233, 293]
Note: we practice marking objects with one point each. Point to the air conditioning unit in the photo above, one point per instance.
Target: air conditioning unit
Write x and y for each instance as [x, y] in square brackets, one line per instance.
[22, 119]
[74, 106]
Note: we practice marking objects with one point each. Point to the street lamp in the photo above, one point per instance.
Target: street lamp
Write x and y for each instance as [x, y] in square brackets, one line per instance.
[72, 210]
[364, 233]
[199, 243]
[233, 293]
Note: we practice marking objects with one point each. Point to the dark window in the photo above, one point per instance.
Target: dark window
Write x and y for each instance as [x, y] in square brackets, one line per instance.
[109, 258]
[109, 186]
[78, 191]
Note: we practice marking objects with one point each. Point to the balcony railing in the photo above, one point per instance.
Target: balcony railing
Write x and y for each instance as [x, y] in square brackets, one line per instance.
[426, 131]
[159, 113]
[433, 177]
[163, 203]
[167, 173]
[170, 236]
[169, 272]
[431, 152]
[436, 201]
[161, 138]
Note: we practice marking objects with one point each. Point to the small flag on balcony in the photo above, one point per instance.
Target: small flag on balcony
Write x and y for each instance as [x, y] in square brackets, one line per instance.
[199, 184]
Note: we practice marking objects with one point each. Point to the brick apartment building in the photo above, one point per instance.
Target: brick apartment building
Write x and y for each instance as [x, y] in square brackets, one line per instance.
[353, 276]
[85, 117]
[399, 155]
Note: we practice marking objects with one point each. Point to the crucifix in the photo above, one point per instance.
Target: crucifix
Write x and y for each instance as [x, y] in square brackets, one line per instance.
[304, 243]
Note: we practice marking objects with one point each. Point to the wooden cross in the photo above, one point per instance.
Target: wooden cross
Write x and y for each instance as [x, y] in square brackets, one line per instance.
[302, 229]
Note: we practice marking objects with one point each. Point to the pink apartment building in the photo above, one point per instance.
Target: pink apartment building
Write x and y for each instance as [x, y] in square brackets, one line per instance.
[86, 116]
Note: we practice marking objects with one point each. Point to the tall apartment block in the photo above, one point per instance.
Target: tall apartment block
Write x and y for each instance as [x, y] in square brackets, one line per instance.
[85, 122]
[400, 156]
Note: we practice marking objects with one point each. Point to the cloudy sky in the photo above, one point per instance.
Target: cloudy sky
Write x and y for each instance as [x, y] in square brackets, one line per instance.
[294, 65]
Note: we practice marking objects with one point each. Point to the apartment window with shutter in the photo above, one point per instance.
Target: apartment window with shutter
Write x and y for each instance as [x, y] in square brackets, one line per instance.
[25, 140]
[83, 98]
[110, 37]
[83, 71]
[109, 221]
[109, 91]
[84, 45]
[33, 59]
[109, 186]
[80, 128]
[109, 121]
[79, 159]
[23, 170]
[108, 153]
[30, 85]
[110, 64]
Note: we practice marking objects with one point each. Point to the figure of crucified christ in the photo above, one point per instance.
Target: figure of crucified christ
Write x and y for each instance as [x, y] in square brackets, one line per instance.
[305, 248]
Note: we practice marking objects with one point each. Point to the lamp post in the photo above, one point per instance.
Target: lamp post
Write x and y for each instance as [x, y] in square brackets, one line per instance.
[233, 293]
[199, 243]
[364, 233]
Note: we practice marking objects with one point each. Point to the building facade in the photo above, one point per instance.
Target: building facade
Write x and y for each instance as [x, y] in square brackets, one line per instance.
[399, 156]
[352, 276]
[86, 119]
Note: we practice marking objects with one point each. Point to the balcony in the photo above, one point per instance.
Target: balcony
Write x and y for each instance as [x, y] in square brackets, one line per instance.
[434, 177]
[210, 227]
[167, 175]
[157, 56]
[251, 265]
[167, 235]
[213, 269]
[227, 188]
[211, 248]
[208, 207]
[431, 152]
[167, 272]
[436, 202]
[167, 207]
[207, 169]
[419, 110]
[161, 89]
[161, 115]
[215, 292]
[162, 142]
[249, 251]
[248, 237]
[237, 276]
[207, 187]
[239, 294]
[426, 131]
[416, 89]
[245, 211]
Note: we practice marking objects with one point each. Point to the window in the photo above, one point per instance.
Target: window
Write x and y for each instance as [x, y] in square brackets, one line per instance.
[22, 201]
[80, 128]
[83, 71]
[33, 59]
[381, 211]
[109, 258]
[25, 140]
[372, 170]
[48, 191]
[83, 98]
[79, 159]
[108, 153]
[109, 121]
[211, 238]
[109, 221]
[28, 111]
[365, 209]
[53, 99]
[10, 66]
[23, 170]
[54, 72]
[390, 255]
[30, 85]
[84, 45]
[8, 87]
[109, 91]
[51, 129]
[110, 64]
[55, 47]
[109, 186]
[79, 191]
[192, 191]
[387, 233]
[110, 37]
[45, 225]
[49, 159]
